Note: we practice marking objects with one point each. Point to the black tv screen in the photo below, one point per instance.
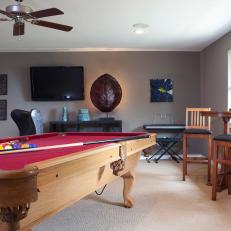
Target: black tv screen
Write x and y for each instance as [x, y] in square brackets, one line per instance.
[57, 83]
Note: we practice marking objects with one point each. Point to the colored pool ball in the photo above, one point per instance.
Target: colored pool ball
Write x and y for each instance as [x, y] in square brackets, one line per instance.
[24, 145]
[16, 146]
[33, 145]
[8, 147]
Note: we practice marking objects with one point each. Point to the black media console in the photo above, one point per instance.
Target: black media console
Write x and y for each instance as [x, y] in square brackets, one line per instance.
[86, 126]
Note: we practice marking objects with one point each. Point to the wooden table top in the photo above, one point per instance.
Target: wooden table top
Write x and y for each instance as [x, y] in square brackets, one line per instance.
[226, 114]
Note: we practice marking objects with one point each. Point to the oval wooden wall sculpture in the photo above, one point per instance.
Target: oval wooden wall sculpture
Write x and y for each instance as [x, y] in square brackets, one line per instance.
[106, 93]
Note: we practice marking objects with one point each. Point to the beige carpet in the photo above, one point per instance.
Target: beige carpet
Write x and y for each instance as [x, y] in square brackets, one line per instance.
[163, 203]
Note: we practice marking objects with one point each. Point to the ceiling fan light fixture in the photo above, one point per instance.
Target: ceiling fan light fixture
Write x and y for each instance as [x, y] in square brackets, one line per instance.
[18, 9]
[140, 28]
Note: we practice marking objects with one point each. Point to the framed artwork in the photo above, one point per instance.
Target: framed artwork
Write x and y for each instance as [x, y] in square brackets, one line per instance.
[3, 109]
[161, 90]
[3, 84]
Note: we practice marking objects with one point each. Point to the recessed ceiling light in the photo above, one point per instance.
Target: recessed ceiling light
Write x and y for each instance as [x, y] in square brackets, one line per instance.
[140, 28]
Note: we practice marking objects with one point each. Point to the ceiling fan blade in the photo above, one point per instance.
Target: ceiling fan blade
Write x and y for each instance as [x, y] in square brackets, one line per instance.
[46, 13]
[4, 19]
[52, 25]
[19, 29]
[5, 13]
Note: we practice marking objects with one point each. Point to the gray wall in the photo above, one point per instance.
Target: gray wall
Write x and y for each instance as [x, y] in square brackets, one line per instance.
[214, 77]
[133, 70]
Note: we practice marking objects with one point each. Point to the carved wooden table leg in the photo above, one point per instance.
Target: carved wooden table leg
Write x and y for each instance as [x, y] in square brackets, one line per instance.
[18, 190]
[12, 216]
[128, 178]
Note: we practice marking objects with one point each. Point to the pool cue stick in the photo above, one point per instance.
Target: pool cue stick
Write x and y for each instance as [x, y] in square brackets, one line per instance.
[74, 144]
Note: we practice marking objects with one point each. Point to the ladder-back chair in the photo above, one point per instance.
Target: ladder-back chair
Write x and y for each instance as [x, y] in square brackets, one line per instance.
[221, 156]
[197, 127]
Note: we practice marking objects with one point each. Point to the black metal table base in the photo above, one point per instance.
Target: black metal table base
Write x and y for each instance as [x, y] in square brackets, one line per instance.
[165, 146]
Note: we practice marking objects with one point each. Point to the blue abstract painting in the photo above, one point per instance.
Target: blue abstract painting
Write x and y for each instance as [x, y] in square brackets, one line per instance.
[161, 90]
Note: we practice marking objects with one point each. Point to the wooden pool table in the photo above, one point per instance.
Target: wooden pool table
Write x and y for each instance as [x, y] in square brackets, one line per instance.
[37, 184]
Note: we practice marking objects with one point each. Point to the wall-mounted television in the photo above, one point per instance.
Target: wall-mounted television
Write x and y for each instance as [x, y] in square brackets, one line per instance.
[57, 83]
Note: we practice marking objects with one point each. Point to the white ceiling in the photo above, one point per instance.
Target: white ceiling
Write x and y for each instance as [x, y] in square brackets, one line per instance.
[182, 25]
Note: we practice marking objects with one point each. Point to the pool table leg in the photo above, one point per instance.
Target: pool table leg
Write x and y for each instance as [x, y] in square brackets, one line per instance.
[18, 190]
[128, 178]
[11, 217]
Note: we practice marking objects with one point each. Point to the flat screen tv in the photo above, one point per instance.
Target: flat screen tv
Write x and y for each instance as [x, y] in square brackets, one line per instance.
[57, 83]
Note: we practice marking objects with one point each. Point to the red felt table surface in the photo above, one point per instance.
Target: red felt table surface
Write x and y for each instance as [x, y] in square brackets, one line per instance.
[19, 160]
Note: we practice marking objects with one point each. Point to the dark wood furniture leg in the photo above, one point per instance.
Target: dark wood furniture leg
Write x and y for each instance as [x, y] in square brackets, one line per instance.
[229, 170]
[184, 156]
[214, 178]
[209, 159]
[226, 124]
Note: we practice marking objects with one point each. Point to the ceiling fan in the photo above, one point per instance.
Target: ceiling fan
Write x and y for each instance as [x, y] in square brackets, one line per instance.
[21, 14]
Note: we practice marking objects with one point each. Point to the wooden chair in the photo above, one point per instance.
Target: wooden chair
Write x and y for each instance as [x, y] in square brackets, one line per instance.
[221, 155]
[197, 127]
